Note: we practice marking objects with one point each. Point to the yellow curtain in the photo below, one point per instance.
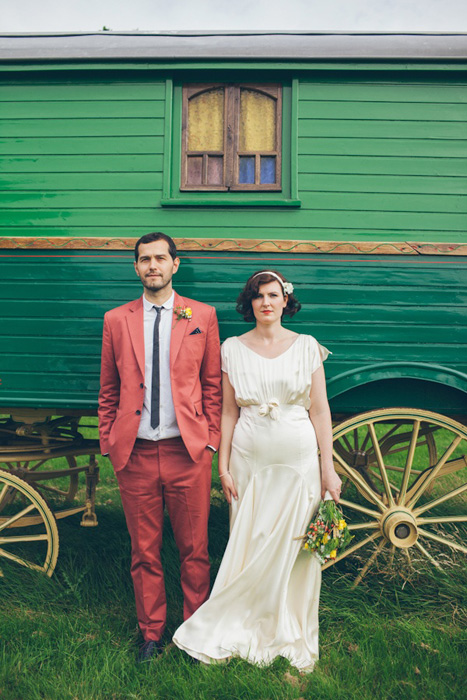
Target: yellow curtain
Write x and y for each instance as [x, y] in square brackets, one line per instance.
[257, 122]
[206, 121]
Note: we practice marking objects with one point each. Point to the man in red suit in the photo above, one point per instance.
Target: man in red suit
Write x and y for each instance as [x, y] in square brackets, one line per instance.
[159, 420]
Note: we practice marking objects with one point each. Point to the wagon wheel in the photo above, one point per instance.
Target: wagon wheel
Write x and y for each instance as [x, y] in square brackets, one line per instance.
[68, 492]
[21, 506]
[407, 471]
[357, 450]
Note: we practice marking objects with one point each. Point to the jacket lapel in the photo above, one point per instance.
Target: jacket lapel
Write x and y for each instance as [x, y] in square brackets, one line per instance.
[179, 328]
[135, 321]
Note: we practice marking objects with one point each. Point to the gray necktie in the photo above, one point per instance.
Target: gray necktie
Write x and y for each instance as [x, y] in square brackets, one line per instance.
[155, 385]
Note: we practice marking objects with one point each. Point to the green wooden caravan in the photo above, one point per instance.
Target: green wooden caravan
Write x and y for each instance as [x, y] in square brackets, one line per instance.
[339, 159]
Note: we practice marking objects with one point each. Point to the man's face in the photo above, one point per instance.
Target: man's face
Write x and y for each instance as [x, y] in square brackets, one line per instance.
[155, 266]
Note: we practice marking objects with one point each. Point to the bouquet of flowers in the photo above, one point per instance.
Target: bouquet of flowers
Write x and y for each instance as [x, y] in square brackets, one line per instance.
[328, 533]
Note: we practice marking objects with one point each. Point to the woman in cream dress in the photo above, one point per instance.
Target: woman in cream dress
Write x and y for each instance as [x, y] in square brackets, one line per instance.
[264, 602]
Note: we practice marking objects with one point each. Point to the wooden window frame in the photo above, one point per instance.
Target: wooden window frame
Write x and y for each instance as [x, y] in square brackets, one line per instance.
[231, 152]
[173, 196]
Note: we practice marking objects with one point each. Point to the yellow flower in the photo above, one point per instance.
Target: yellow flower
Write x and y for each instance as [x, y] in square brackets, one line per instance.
[333, 554]
[325, 537]
[305, 546]
[188, 312]
[342, 524]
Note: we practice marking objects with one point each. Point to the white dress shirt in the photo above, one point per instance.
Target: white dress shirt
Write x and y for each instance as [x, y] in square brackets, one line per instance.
[168, 427]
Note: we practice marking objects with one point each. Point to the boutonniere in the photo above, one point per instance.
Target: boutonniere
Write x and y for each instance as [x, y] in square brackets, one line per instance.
[183, 312]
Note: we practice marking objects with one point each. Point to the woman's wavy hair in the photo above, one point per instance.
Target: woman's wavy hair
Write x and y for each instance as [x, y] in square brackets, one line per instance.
[251, 291]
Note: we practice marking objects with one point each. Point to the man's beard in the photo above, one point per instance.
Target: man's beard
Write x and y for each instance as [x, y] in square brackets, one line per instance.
[155, 284]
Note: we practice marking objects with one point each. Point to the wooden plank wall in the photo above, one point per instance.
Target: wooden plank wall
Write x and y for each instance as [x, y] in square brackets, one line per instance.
[380, 158]
[403, 309]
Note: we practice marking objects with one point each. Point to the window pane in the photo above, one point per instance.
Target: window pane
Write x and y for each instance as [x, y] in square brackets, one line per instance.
[206, 121]
[194, 174]
[268, 170]
[257, 121]
[215, 170]
[246, 170]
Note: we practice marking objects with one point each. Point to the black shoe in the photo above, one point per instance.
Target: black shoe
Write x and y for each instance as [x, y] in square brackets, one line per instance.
[149, 650]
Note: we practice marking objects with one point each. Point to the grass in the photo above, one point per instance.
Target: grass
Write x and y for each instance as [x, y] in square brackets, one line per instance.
[74, 636]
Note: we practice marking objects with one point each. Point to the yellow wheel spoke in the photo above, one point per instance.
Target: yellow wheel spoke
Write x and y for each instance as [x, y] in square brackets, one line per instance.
[370, 561]
[409, 462]
[10, 521]
[3, 493]
[357, 506]
[441, 499]
[23, 562]
[382, 469]
[442, 540]
[435, 471]
[352, 549]
[359, 482]
[391, 554]
[23, 538]
[427, 555]
[407, 555]
[363, 526]
[442, 519]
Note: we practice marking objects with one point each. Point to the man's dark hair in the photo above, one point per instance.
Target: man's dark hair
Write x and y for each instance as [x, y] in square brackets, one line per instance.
[150, 237]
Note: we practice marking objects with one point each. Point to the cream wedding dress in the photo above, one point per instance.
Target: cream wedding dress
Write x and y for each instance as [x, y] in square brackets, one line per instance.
[264, 602]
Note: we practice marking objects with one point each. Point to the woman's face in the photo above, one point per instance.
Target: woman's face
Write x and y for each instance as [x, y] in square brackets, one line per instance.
[270, 303]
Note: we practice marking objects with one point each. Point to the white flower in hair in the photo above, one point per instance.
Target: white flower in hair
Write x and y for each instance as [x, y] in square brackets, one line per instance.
[288, 287]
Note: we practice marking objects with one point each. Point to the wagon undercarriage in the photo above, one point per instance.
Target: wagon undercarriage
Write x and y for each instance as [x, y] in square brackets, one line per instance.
[404, 473]
[36, 491]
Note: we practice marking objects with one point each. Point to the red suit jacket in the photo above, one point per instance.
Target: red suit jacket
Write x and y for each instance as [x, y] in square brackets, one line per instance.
[195, 375]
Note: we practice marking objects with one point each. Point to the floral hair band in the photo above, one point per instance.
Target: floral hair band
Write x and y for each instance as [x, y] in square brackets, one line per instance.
[286, 286]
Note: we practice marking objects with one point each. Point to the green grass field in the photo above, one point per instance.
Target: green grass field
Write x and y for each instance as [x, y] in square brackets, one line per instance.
[399, 634]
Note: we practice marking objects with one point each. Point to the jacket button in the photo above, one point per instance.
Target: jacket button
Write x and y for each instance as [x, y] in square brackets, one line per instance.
[141, 386]
[138, 413]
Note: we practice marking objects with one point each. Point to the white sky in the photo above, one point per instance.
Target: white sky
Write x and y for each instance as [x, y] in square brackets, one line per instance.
[162, 15]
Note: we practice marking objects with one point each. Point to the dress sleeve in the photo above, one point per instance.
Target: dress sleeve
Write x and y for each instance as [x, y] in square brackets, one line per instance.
[318, 354]
[225, 356]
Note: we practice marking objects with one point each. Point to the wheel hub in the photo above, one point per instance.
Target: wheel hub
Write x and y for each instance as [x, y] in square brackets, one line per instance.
[399, 526]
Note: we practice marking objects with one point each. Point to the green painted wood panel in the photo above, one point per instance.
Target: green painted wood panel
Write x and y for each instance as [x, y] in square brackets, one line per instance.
[102, 145]
[28, 128]
[49, 89]
[380, 157]
[49, 183]
[375, 165]
[449, 89]
[77, 163]
[243, 223]
[375, 310]
[97, 109]
[371, 111]
[385, 129]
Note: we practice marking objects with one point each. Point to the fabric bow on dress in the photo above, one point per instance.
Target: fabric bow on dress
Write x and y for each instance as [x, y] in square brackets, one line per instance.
[270, 409]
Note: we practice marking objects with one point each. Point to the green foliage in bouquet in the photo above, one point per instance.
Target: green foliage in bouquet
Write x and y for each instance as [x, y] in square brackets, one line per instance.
[328, 533]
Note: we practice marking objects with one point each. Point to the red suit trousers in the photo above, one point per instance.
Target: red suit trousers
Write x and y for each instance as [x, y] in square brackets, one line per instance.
[157, 474]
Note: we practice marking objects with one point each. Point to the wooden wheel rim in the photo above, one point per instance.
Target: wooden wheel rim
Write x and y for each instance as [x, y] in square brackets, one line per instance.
[397, 516]
[45, 518]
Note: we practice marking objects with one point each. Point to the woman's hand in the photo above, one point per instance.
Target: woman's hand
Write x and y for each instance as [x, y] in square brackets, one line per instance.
[228, 487]
[330, 481]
